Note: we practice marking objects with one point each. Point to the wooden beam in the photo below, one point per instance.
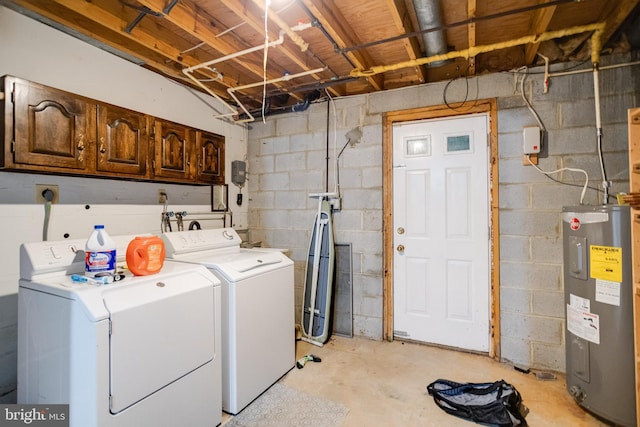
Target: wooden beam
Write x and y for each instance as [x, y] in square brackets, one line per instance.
[539, 24]
[616, 17]
[634, 186]
[257, 23]
[195, 21]
[471, 34]
[402, 21]
[334, 23]
[110, 22]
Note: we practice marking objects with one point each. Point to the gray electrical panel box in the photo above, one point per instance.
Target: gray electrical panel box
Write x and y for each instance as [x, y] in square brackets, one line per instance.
[238, 172]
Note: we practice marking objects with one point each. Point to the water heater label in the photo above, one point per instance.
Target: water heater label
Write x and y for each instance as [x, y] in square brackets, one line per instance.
[583, 324]
[608, 292]
[605, 263]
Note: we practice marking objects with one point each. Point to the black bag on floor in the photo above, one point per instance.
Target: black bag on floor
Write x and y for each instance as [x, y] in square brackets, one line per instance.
[495, 404]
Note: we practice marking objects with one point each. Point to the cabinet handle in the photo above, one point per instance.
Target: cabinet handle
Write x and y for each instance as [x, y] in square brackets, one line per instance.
[102, 149]
[80, 147]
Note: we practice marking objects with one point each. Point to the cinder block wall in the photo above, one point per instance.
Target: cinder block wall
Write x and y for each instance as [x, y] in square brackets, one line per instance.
[288, 157]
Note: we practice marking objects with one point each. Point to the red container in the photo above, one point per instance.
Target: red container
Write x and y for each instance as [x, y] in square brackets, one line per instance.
[145, 255]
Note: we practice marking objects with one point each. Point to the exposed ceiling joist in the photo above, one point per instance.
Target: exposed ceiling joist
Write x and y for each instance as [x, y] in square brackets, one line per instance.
[337, 26]
[353, 47]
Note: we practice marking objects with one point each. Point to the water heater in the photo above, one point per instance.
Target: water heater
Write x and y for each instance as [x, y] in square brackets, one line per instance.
[599, 309]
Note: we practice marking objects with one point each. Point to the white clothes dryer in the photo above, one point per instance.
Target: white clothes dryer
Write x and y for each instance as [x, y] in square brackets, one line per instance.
[144, 351]
[258, 318]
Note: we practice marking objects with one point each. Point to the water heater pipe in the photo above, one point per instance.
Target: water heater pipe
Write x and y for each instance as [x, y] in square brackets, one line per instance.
[596, 95]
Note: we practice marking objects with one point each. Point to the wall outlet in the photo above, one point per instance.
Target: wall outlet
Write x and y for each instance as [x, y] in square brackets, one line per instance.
[162, 197]
[336, 203]
[41, 191]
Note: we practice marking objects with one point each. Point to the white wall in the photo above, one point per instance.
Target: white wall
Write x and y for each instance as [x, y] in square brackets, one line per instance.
[45, 55]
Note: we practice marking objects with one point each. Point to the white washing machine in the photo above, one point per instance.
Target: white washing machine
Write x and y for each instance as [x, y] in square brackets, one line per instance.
[258, 318]
[144, 351]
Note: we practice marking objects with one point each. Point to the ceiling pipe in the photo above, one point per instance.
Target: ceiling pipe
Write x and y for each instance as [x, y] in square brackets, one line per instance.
[187, 72]
[283, 26]
[476, 50]
[231, 90]
[596, 46]
[429, 14]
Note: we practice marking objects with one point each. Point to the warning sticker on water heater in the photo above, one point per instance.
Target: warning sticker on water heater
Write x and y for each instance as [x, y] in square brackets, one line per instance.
[608, 292]
[583, 324]
[605, 263]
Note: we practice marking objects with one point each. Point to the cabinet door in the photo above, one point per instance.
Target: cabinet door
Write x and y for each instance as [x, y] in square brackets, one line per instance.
[210, 152]
[122, 141]
[174, 150]
[52, 128]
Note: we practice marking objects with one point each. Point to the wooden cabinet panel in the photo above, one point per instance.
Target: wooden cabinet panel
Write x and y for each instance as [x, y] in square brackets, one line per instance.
[51, 128]
[52, 131]
[174, 151]
[210, 152]
[122, 142]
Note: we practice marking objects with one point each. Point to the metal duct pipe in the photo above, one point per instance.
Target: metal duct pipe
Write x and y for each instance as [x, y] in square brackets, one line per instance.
[429, 16]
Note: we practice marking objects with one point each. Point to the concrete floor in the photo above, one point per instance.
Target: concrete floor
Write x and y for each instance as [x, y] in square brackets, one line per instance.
[384, 383]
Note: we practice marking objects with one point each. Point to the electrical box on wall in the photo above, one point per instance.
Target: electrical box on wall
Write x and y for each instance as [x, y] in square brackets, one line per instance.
[238, 172]
[531, 140]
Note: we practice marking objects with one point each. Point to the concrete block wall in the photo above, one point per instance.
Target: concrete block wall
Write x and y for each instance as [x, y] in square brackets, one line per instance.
[287, 159]
[287, 162]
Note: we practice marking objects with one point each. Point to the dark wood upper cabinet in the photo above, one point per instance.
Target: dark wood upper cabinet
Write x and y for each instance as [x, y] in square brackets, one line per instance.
[122, 143]
[47, 130]
[51, 129]
[210, 153]
[174, 151]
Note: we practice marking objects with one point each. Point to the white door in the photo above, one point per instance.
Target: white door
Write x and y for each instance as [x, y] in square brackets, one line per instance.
[441, 231]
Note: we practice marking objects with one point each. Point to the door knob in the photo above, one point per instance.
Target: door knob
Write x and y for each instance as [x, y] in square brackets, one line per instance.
[400, 248]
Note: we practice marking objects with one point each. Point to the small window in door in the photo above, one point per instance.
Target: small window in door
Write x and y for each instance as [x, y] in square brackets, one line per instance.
[418, 146]
[458, 143]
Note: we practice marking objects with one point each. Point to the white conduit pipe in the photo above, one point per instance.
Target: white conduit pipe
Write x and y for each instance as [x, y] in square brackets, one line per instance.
[596, 94]
[231, 90]
[187, 72]
[212, 93]
[277, 42]
[607, 67]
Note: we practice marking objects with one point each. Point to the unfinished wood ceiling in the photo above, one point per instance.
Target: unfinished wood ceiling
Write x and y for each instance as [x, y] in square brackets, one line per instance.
[323, 48]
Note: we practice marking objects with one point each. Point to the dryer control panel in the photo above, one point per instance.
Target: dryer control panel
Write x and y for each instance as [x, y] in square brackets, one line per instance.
[49, 257]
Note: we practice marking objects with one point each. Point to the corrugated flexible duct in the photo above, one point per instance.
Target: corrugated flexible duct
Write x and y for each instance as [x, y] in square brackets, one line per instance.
[429, 14]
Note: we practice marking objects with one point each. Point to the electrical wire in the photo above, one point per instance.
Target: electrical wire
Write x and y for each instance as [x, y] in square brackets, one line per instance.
[466, 95]
[526, 101]
[264, 62]
[544, 129]
[570, 184]
[586, 182]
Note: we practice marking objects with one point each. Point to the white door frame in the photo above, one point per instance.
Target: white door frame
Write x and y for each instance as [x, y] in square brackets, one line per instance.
[488, 106]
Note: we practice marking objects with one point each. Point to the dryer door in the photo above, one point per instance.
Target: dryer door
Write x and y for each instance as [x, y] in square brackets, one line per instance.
[161, 329]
